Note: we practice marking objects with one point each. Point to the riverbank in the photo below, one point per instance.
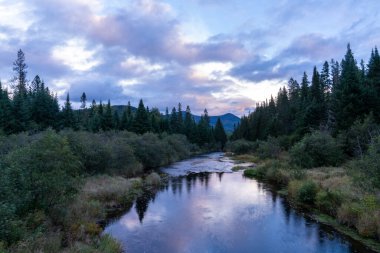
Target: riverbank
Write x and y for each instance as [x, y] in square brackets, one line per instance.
[58, 189]
[101, 198]
[328, 194]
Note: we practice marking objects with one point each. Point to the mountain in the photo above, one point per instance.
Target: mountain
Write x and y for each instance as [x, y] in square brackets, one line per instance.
[228, 119]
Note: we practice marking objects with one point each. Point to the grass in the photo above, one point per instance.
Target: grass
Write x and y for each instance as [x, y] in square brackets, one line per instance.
[80, 231]
[331, 191]
[252, 173]
[350, 232]
[237, 168]
[250, 158]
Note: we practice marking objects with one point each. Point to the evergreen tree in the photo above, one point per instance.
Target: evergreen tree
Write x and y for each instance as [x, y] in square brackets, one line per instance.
[20, 101]
[94, 119]
[107, 123]
[67, 114]
[220, 134]
[180, 119]
[83, 100]
[140, 123]
[116, 120]
[174, 126]
[350, 101]
[6, 116]
[373, 79]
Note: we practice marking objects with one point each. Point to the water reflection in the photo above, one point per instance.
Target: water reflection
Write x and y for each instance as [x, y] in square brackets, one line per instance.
[216, 212]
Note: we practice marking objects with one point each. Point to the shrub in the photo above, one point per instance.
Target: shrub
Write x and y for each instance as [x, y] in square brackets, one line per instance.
[269, 149]
[349, 213]
[315, 150]
[149, 150]
[153, 179]
[366, 225]
[368, 167]
[356, 140]
[42, 174]
[242, 146]
[122, 160]
[91, 150]
[307, 192]
[253, 173]
[328, 201]
[293, 188]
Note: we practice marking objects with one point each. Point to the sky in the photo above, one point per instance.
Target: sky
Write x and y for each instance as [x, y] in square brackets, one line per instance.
[223, 55]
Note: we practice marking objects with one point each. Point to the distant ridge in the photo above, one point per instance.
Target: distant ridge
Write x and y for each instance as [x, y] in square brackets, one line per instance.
[228, 119]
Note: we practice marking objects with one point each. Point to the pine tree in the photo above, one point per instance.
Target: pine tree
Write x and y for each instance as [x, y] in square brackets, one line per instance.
[67, 114]
[350, 101]
[83, 100]
[140, 123]
[220, 134]
[174, 121]
[373, 79]
[116, 120]
[20, 100]
[6, 116]
[19, 79]
[107, 123]
[180, 118]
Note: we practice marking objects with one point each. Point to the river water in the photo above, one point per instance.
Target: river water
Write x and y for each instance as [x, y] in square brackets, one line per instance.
[207, 208]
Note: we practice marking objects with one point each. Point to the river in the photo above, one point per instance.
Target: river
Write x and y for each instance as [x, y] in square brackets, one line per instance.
[207, 208]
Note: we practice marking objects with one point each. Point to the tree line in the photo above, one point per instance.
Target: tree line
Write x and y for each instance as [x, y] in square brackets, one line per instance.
[337, 97]
[33, 107]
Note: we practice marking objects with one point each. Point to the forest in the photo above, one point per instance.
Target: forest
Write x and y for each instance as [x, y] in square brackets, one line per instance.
[63, 168]
[320, 141]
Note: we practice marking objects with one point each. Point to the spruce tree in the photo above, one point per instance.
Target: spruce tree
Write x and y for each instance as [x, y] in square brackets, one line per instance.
[68, 114]
[107, 123]
[174, 121]
[83, 100]
[220, 134]
[20, 100]
[140, 123]
[350, 102]
[6, 116]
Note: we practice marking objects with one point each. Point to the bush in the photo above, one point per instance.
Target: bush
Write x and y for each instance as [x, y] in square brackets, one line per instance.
[91, 150]
[122, 160]
[348, 213]
[253, 173]
[242, 146]
[153, 179]
[315, 150]
[42, 174]
[307, 192]
[356, 140]
[328, 201]
[368, 167]
[149, 150]
[366, 225]
[269, 149]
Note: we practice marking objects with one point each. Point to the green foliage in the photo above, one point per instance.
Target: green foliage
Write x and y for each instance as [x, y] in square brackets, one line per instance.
[153, 179]
[356, 139]
[219, 134]
[368, 167]
[269, 149]
[43, 172]
[315, 150]
[242, 146]
[307, 192]
[329, 201]
[253, 173]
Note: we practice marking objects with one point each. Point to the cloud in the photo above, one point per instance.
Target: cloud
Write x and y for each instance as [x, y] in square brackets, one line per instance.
[157, 50]
[301, 55]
